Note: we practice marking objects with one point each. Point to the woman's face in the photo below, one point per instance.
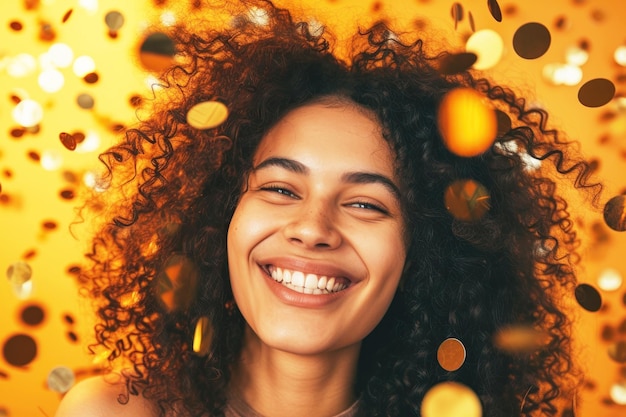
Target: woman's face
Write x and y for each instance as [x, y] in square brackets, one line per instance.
[316, 246]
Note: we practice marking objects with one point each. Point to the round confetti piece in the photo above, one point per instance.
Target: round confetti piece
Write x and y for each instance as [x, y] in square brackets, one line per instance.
[451, 399]
[588, 297]
[207, 115]
[503, 122]
[615, 213]
[32, 315]
[457, 63]
[61, 379]
[19, 350]
[85, 101]
[16, 25]
[467, 200]
[617, 351]
[68, 140]
[19, 272]
[91, 78]
[451, 354]
[114, 20]
[157, 51]
[531, 40]
[467, 124]
[596, 92]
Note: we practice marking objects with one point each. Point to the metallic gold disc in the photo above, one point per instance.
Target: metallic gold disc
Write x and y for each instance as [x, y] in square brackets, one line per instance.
[61, 379]
[467, 200]
[451, 354]
[207, 115]
[615, 213]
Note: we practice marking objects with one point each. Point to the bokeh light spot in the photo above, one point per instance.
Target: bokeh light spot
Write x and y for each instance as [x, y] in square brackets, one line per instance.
[467, 124]
[451, 399]
[487, 44]
[27, 113]
[610, 280]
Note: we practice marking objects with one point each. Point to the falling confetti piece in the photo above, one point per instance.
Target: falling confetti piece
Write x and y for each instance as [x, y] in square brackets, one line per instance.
[19, 350]
[617, 351]
[32, 315]
[467, 200]
[457, 13]
[531, 40]
[588, 297]
[615, 213]
[457, 63]
[451, 354]
[596, 92]
[67, 15]
[68, 140]
[207, 115]
[61, 379]
[203, 336]
[494, 9]
[19, 273]
[114, 20]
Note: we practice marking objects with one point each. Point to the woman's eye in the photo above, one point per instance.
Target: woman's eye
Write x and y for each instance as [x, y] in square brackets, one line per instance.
[368, 206]
[279, 190]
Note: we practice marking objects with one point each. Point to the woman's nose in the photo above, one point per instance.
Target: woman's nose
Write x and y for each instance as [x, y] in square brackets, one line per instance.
[314, 227]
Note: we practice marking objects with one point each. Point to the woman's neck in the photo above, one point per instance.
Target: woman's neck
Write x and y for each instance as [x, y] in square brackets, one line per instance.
[280, 384]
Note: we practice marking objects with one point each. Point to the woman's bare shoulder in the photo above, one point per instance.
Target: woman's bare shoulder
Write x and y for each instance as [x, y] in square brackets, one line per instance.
[98, 397]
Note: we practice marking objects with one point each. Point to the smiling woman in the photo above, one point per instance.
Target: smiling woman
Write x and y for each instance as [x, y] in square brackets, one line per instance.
[300, 258]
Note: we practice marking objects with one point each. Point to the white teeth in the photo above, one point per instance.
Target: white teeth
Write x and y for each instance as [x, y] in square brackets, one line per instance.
[307, 284]
[310, 282]
[321, 284]
[297, 279]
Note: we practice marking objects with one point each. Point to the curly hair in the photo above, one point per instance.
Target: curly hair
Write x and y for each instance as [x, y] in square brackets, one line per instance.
[170, 190]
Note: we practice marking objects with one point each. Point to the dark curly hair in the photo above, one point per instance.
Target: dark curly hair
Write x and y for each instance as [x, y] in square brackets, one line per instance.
[170, 191]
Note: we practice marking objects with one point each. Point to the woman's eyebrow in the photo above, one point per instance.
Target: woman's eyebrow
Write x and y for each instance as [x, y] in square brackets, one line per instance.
[358, 177]
[288, 164]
